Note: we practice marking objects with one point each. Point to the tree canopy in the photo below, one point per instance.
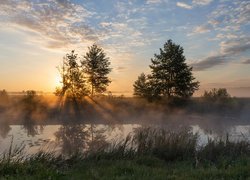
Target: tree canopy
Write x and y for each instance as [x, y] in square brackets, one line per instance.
[216, 94]
[73, 80]
[96, 66]
[141, 86]
[170, 75]
[86, 77]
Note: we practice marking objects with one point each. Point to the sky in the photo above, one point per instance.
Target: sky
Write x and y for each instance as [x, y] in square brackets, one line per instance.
[36, 34]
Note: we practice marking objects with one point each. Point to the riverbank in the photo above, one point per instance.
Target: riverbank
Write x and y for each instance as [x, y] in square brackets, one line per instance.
[148, 154]
[139, 168]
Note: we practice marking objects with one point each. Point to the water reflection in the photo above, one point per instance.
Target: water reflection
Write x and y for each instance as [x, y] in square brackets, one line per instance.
[72, 138]
[4, 128]
[32, 111]
[77, 138]
[32, 129]
[98, 139]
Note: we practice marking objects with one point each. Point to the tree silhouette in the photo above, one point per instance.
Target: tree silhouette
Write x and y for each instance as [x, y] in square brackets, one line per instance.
[73, 89]
[170, 75]
[73, 81]
[215, 95]
[143, 88]
[4, 98]
[96, 66]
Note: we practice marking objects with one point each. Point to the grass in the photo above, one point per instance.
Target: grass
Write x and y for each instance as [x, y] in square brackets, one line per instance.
[148, 154]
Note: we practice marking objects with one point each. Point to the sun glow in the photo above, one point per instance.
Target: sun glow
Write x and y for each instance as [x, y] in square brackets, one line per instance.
[57, 81]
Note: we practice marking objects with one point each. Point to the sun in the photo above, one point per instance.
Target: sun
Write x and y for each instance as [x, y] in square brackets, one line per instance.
[57, 81]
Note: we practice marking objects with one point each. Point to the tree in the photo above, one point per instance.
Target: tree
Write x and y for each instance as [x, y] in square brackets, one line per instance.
[73, 80]
[96, 65]
[215, 95]
[140, 86]
[170, 75]
[143, 88]
[4, 98]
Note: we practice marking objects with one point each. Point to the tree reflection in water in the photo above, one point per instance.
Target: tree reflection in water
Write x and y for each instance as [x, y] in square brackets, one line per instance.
[4, 129]
[33, 110]
[80, 138]
[72, 138]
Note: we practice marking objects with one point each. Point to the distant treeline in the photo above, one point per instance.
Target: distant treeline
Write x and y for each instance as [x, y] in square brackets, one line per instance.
[110, 109]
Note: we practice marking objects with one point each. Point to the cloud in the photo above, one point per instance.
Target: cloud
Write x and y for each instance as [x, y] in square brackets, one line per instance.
[214, 22]
[119, 33]
[246, 61]
[201, 2]
[230, 48]
[59, 23]
[209, 62]
[235, 46]
[236, 49]
[195, 3]
[230, 17]
[153, 1]
[183, 5]
[226, 36]
[121, 68]
[201, 29]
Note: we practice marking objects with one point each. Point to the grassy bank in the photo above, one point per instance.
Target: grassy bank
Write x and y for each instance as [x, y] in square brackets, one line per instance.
[138, 168]
[148, 154]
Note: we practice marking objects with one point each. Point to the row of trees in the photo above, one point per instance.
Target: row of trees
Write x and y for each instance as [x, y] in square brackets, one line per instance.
[170, 75]
[85, 78]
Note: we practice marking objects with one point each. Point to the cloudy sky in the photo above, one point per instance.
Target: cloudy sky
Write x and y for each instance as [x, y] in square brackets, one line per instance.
[36, 34]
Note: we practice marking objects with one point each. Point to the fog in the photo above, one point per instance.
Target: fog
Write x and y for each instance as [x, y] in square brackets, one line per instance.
[32, 109]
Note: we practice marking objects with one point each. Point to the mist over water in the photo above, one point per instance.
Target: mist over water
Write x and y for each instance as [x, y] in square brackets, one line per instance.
[40, 123]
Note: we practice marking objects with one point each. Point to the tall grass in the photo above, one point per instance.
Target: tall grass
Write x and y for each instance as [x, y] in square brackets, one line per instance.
[147, 147]
[216, 150]
[167, 145]
[174, 146]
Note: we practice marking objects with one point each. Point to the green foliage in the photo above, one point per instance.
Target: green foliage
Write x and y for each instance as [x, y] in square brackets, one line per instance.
[148, 154]
[216, 151]
[166, 145]
[220, 100]
[96, 66]
[170, 75]
[73, 80]
[173, 160]
[142, 88]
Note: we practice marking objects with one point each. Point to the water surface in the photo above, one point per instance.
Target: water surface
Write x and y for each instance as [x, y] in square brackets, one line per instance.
[68, 138]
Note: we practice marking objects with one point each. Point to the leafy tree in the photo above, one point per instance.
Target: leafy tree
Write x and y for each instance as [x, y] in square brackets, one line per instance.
[140, 86]
[96, 66]
[220, 99]
[73, 80]
[220, 94]
[144, 88]
[170, 75]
